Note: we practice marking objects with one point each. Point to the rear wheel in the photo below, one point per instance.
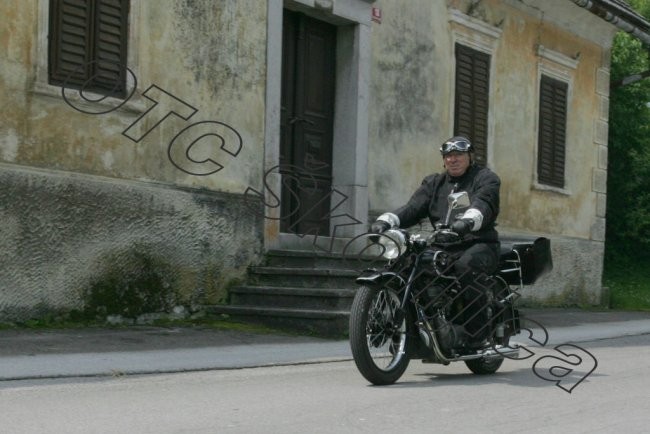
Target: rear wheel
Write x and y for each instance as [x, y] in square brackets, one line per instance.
[484, 366]
[378, 335]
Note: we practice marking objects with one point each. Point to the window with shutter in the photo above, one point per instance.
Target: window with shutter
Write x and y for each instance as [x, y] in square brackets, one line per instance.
[552, 131]
[472, 98]
[88, 45]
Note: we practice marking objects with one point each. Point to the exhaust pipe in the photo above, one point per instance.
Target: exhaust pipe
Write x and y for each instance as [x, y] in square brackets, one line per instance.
[501, 351]
[496, 352]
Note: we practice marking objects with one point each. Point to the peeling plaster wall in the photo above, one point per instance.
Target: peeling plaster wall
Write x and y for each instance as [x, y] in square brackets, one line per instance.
[209, 54]
[409, 95]
[411, 114]
[74, 188]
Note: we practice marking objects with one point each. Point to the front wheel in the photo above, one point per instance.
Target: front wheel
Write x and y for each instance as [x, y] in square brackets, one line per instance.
[378, 335]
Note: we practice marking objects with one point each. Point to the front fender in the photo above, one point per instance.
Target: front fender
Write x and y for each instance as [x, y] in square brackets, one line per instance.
[376, 278]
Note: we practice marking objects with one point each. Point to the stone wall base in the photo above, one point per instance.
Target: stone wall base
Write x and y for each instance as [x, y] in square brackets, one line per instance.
[59, 232]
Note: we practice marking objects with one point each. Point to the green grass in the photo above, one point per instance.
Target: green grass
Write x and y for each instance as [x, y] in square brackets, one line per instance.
[50, 322]
[216, 323]
[221, 323]
[629, 285]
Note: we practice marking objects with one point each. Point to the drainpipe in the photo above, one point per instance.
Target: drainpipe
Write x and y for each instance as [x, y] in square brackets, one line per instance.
[629, 80]
[619, 22]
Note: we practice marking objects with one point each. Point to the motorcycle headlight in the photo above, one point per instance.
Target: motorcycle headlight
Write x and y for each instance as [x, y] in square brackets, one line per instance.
[393, 243]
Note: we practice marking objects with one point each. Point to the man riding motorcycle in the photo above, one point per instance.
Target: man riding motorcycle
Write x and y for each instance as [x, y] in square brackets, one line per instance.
[477, 253]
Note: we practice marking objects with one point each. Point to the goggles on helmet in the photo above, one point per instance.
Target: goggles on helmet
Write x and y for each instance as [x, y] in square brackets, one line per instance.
[455, 145]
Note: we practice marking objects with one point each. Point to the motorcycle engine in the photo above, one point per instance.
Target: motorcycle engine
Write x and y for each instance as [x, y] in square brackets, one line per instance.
[449, 335]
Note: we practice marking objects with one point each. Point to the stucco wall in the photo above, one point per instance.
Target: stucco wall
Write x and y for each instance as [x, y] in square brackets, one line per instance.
[210, 55]
[76, 191]
[409, 98]
[411, 114]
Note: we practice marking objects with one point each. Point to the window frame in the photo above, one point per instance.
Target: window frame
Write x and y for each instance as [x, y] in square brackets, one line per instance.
[103, 35]
[560, 67]
[549, 157]
[90, 100]
[480, 36]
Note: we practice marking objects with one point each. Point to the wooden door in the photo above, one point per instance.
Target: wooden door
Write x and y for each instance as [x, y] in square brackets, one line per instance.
[307, 117]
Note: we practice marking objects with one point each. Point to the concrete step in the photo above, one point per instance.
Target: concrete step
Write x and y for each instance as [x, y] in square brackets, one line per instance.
[293, 297]
[312, 259]
[321, 322]
[300, 289]
[302, 277]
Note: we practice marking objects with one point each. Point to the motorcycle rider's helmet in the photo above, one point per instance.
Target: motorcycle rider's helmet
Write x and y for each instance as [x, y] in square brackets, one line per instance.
[456, 143]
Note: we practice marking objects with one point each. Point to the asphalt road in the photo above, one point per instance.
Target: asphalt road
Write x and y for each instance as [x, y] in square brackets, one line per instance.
[332, 397]
[31, 354]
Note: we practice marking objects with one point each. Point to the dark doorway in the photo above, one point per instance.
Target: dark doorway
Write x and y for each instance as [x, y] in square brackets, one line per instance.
[306, 126]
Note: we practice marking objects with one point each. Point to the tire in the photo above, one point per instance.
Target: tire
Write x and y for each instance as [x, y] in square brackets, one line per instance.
[379, 347]
[484, 366]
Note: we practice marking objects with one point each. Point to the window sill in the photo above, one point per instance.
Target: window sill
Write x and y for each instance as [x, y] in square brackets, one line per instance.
[544, 187]
[135, 105]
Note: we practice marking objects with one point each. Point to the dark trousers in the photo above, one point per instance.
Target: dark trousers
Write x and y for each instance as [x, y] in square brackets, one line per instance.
[474, 267]
[480, 258]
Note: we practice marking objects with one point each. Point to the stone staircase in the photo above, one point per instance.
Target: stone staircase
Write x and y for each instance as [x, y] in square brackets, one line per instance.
[296, 289]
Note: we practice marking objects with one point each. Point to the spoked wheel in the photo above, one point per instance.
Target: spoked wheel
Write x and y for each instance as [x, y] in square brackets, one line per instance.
[378, 335]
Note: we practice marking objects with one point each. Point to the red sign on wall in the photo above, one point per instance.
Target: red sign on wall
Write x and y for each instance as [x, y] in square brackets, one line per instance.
[376, 15]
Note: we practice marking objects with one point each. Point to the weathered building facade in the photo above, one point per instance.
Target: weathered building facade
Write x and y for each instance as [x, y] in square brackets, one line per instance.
[212, 103]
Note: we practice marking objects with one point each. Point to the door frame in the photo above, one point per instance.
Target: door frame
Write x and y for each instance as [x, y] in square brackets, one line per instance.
[350, 139]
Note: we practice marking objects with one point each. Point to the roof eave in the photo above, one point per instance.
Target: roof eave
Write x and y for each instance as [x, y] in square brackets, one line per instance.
[624, 18]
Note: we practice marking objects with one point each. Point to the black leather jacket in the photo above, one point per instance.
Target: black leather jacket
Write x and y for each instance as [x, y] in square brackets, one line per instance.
[430, 199]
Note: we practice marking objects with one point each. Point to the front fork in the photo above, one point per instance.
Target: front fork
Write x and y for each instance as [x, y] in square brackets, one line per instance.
[425, 330]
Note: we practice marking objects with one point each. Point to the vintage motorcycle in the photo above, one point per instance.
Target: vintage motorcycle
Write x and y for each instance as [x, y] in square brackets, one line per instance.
[414, 307]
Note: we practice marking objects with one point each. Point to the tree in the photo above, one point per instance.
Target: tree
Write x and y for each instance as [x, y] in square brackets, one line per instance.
[628, 198]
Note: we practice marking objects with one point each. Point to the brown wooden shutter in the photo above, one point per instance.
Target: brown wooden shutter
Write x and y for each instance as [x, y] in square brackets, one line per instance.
[472, 98]
[88, 41]
[552, 131]
[110, 45]
[70, 42]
